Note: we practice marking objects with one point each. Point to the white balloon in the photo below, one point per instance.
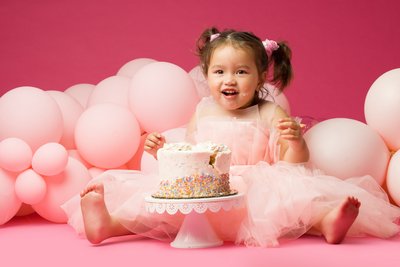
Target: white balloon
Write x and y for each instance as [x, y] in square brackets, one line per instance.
[382, 107]
[347, 148]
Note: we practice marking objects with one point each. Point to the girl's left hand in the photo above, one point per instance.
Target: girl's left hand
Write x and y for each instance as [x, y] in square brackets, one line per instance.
[290, 129]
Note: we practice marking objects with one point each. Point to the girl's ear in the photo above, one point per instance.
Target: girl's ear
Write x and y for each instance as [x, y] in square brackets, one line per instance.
[263, 78]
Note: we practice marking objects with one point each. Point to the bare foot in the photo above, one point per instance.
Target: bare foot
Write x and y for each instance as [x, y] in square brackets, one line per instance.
[337, 222]
[97, 221]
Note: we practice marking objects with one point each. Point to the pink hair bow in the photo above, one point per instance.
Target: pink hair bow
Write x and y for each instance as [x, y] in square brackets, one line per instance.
[270, 46]
[214, 36]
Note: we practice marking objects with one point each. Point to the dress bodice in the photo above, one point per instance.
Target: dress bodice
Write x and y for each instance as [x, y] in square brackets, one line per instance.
[250, 138]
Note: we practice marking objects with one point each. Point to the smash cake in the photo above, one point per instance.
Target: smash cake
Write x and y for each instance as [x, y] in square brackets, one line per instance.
[193, 171]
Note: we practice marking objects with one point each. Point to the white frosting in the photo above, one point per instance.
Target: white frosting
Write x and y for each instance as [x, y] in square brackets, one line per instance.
[177, 160]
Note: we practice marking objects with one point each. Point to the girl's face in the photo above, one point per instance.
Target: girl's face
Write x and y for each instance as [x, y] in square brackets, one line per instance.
[233, 77]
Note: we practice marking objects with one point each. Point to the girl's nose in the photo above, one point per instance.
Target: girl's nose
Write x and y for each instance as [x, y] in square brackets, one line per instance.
[230, 80]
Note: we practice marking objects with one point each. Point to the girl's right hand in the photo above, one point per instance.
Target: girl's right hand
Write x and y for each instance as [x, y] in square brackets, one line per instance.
[154, 141]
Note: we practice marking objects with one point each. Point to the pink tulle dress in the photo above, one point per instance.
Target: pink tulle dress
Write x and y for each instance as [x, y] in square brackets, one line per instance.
[282, 200]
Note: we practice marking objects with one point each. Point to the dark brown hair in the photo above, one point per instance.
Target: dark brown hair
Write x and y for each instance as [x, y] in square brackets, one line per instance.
[279, 61]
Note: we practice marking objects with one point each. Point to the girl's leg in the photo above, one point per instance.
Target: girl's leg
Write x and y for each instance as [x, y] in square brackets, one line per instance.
[99, 225]
[334, 225]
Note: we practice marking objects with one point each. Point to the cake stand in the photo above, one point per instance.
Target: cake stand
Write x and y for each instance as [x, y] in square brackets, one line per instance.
[196, 231]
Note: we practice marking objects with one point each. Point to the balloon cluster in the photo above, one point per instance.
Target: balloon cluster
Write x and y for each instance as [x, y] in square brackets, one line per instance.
[53, 142]
[347, 148]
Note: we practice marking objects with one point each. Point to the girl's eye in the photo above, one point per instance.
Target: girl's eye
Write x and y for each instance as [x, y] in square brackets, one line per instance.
[241, 72]
[218, 72]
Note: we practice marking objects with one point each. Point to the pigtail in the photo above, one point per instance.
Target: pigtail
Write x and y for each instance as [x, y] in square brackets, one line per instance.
[204, 39]
[282, 66]
[203, 47]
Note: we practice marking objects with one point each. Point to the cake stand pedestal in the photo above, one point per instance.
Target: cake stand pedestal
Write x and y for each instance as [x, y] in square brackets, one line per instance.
[196, 231]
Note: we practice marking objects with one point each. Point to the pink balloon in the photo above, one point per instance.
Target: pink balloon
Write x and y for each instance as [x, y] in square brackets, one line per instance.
[278, 97]
[162, 96]
[80, 92]
[50, 159]
[347, 148]
[15, 155]
[113, 90]
[61, 188]
[382, 107]
[32, 115]
[71, 110]
[30, 187]
[200, 82]
[393, 178]
[9, 202]
[107, 136]
[129, 69]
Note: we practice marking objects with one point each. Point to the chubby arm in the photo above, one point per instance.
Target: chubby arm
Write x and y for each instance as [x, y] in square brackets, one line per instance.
[293, 146]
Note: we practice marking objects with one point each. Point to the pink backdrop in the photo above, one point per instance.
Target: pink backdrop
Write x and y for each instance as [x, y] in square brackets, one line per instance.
[339, 47]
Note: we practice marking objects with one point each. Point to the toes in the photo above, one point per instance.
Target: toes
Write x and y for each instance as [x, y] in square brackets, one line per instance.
[354, 201]
[88, 189]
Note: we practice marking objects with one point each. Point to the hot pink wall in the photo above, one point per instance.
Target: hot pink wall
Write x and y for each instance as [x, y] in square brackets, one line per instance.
[339, 47]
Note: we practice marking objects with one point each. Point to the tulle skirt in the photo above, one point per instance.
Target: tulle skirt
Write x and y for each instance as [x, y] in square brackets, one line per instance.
[285, 200]
[282, 201]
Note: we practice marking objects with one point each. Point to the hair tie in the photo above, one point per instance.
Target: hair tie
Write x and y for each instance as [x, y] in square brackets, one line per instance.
[270, 46]
[214, 36]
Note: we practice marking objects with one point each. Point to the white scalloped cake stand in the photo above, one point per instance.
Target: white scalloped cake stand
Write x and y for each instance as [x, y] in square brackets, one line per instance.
[196, 231]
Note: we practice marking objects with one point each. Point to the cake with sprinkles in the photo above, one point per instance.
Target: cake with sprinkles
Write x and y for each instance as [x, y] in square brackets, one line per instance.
[193, 171]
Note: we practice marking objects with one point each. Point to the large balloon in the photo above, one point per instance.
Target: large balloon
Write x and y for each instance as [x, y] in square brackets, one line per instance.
[393, 178]
[107, 136]
[15, 155]
[9, 202]
[382, 107]
[61, 188]
[347, 148]
[81, 92]
[162, 96]
[32, 115]
[113, 89]
[129, 69]
[71, 110]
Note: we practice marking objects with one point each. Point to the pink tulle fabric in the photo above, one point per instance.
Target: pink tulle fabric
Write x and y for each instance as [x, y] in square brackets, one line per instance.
[282, 200]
